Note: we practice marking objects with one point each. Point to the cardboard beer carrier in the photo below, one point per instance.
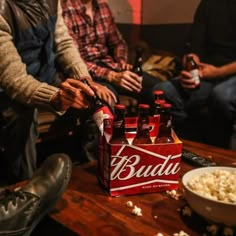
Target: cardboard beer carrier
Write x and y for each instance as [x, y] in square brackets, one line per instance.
[136, 169]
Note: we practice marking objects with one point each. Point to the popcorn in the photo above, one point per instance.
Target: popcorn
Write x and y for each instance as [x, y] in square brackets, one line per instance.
[137, 211]
[129, 204]
[217, 185]
[213, 229]
[181, 233]
[173, 194]
[186, 211]
[228, 231]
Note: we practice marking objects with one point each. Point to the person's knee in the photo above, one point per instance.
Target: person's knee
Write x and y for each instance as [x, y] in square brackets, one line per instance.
[221, 102]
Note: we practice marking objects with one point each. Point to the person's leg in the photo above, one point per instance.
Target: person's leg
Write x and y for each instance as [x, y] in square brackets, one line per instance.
[186, 105]
[17, 132]
[222, 110]
[23, 208]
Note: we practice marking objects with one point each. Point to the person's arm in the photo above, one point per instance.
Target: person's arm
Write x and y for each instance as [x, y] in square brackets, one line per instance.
[213, 72]
[67, 54]
[14, 79]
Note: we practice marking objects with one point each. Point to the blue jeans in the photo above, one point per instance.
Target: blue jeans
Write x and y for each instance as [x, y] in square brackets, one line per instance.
[220, 98]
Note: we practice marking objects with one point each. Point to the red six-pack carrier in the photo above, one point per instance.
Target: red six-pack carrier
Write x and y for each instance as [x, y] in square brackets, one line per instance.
[126, 169]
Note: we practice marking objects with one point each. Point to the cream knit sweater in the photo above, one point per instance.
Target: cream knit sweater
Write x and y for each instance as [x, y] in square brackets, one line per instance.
[21, 86]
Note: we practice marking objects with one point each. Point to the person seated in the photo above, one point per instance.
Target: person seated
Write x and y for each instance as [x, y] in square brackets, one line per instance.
[22, 209]
[91, 24]
[40, 67]
[212, 44]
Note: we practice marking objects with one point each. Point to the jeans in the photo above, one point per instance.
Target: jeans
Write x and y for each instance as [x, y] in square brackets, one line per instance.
[218, 95]
[17, 140]
[145, 96]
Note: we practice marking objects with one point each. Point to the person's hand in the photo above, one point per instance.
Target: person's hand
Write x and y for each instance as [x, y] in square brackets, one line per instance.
[195, 58]
[72, 93]
[104, 93]
[208, 71]
[186, 80]
[125, 65]
[126, 79]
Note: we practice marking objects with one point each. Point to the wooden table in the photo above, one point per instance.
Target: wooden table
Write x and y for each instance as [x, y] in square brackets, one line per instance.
[86, 209]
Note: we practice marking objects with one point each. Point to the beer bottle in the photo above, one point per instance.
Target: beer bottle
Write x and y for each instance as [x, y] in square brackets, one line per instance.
[158, 94]
[142, 135]
[192, 67]
[118, 133]
[137, 67]
[100, 109]
[164, 134]
[158, 107]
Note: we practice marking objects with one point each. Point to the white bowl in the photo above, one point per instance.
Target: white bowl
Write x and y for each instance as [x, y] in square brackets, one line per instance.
[212, 210]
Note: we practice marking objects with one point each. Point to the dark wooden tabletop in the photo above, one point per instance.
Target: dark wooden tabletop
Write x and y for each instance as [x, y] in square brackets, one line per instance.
[86, 208]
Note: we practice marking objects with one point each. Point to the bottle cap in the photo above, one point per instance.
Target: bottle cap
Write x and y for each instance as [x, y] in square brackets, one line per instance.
[146, 106]
[166, 105]
[160, 101]
[158, 92]
[120, 106]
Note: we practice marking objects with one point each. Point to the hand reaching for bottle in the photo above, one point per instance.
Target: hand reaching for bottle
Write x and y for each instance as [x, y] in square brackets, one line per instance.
[71, 94]
[126, 79]
[104, 93]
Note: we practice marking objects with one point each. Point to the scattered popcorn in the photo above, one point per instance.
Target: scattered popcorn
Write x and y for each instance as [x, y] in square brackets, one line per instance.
[159, 234]
[129, 204]
[173, 194]
[181, 233]
[155, 217]
[213, 229]
[228, 231]
[186, 211]
[137, 211]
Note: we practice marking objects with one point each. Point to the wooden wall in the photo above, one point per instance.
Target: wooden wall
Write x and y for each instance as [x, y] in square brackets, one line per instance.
[163, 24]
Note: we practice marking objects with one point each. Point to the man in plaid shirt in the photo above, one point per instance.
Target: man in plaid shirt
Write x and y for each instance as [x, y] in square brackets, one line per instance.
[101, 45]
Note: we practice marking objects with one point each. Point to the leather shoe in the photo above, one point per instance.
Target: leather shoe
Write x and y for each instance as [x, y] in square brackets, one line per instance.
[22, 209]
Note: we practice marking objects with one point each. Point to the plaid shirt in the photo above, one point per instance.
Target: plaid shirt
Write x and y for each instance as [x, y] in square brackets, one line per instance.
[100, 43]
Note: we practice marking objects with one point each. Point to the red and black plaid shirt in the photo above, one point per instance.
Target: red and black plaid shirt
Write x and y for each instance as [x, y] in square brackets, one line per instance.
[99, 42]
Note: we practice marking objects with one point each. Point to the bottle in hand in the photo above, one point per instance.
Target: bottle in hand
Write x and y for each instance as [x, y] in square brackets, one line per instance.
[164, 133]
[118, 133]
[100, 109]
[192, 67]
[137, 67]
[142, 135]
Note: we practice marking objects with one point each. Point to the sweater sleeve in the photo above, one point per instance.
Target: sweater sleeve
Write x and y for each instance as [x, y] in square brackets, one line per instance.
[14, 79]
[67, 54]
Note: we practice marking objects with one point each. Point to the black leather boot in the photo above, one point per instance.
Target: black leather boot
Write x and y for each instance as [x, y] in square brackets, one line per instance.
[22, 209]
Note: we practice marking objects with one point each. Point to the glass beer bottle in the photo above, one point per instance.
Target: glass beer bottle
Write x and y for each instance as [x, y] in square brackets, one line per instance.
[164, 133]
[142, 135]
[137, 67]
[118, 133]
[158, 107]
[100, 109]
[192, 67]
[158, 94]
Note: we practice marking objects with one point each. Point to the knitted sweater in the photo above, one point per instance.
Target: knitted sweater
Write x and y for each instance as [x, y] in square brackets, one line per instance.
[22, 86]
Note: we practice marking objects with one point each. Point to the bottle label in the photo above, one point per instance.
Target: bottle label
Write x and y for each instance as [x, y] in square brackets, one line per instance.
[195, 76]
[100, 115]
[141, 79]
[118, 123]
